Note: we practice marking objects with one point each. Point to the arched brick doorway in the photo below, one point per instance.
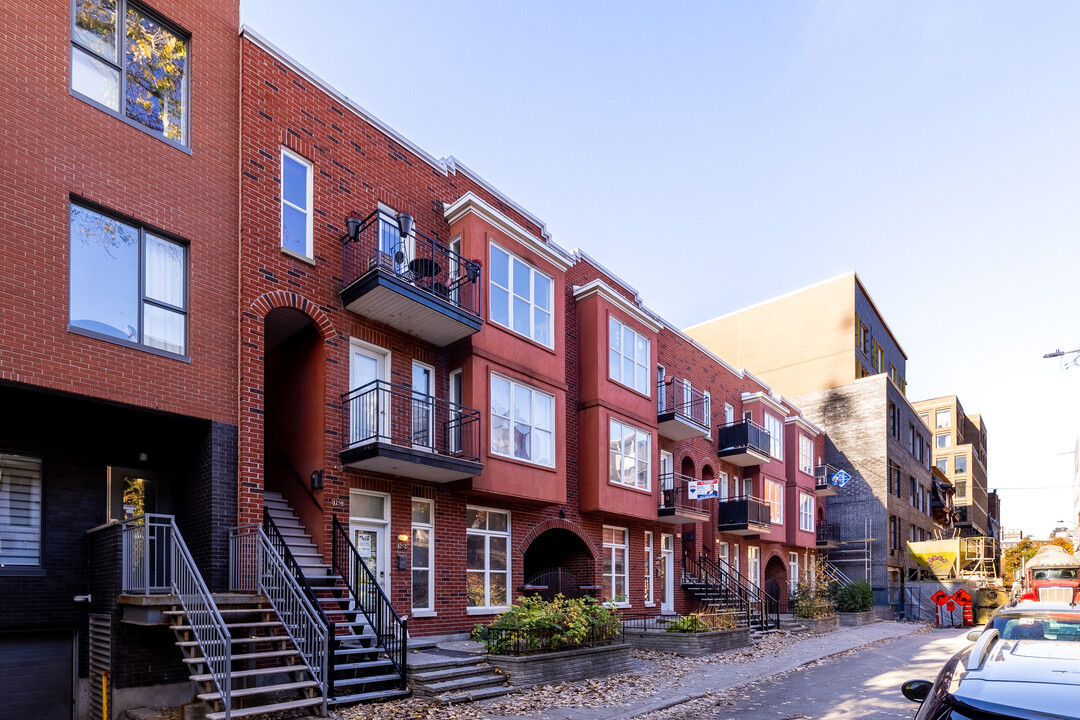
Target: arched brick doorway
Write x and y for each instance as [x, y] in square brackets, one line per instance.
[775, 584]
[558, 561]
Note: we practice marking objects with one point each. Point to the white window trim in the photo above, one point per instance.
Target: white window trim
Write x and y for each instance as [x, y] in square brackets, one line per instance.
[429, 611]
[708, 415]
[648, 461]
[806, 454]
[309, 213]
[793, 570]
[753, 564]
[35, 491]
[724, 491]
[803, 514]
[729, 413]
[676, 402]
[776, 447]
[612, 547]
[491, 609]
[650, 552]
[532, 297]
[554, 422]
[777, 508]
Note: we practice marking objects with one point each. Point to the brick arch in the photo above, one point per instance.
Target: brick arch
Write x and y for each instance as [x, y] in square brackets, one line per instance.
[285, 299]
[558, 524]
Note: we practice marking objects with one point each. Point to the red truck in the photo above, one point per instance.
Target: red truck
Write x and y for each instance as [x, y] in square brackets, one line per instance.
[1052, 575]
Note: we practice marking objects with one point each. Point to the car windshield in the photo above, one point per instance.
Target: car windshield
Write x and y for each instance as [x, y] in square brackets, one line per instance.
[1044, 626]
[1056, 574]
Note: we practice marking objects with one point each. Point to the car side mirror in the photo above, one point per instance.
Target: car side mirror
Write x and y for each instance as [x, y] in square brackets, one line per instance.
[916, 690]
[974, 635]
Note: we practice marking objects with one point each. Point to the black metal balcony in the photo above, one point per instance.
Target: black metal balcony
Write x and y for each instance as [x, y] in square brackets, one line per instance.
[744, 516]
[823, 480]
[828, 535]
[414, 284]
[397, 431]
[675, 505]
[743, 444]
[682, 411]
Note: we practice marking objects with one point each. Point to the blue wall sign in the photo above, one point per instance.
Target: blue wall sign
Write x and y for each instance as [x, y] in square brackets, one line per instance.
[840, 479]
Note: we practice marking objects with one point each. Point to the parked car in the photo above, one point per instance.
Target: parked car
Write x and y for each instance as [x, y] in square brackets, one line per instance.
[1019, 675]
[1035, 621]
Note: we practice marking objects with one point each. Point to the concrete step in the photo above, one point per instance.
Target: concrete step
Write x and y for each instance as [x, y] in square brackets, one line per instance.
[263, 709]
[475, 695]
[463, 684]
[367, 697]
[427, 677]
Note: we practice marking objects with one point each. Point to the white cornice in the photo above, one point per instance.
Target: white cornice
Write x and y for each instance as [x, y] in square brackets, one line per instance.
[803, 423]
[764, 400]
[470, 202]
[599, 287]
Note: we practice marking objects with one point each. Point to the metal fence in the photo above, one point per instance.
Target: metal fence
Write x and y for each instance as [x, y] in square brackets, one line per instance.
[677, 396]
[523, 641]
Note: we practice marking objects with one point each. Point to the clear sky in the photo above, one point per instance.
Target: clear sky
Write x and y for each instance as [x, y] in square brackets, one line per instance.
[716, 154]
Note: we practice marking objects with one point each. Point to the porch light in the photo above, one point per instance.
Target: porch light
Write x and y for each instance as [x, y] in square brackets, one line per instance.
[403, 538]
[405, 224]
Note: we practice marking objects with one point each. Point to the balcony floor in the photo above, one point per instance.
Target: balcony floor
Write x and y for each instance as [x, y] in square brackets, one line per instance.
[382, 457]
[392, 300]
[744, 529]
[744, 457]
[676, 426]
[678, 516]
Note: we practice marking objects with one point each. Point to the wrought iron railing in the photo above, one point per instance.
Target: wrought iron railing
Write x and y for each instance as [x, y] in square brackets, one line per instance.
[383, 412]
[732, 590]
[523, 641]
[744, 435]
[744, 511]
[675, 494]
[828, 532]
[823, 476]
[390, 629]
[156, 559]
[302, 619]
[678, 396]
[417, 260]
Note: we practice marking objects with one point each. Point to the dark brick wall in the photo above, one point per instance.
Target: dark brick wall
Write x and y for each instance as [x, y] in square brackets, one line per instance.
[209, 507]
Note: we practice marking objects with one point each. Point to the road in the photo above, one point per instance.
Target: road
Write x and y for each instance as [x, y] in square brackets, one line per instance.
[862, 684]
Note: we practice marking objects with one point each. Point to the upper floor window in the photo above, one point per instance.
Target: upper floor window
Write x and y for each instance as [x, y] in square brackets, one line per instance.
[296, 201]
[776, 433]
[774, 496]
[127, 283]
[628, 356]
[520, 297]
[806, 512]
[960, 463]
[943, 418]
[630, 456]
[806, 454]
[130, 63]
[20, 510]
[942, 464]
[944, 440]
[522, 422]
[911, 438]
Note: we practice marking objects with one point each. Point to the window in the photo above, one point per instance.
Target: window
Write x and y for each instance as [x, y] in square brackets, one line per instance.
[913, 490]
[423, 529]
[793, 570]
[296, 194]
[960, 463]
[896, 479]
[775, 429]
[894, 532]
[944, 440]
[753, 561]
[20, 511]
[522, 422]
[520, 297]
[487, 561]
[879, 358]
[943, 464]
[866, 338]
[615, 553]
[925, 417]
[628, 357]
[735, 558]
[648, 567]
[456, 416]
[911, 438]
[127, 283]
[961, 488]
[806, 454]
[894, 421]
[806, 512]
[774, 496]
[723, 552]
[943, 418]
[729, 414]
[707, 415]
[722, 479]
[630, 457]
[129, 63]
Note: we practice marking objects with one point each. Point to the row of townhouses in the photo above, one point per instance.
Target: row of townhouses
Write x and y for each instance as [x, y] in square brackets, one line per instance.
[254, 342]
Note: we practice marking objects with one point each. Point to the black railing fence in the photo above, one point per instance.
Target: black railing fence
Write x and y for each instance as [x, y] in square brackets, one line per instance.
[522, 641]
[728, 588]
[675, 494]
[743, 435]
[828, 532]
[675, 395]
[744, 511]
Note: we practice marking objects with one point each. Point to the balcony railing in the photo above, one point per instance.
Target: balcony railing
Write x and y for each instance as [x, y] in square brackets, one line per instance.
[744, 516]
[429, 277]
[682, 410]
[400, 425]
[823, 480]
[828, 534]
[674, 501]
[743, 443]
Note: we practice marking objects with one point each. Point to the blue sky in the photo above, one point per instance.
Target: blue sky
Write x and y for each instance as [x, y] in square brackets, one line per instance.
[716, 154]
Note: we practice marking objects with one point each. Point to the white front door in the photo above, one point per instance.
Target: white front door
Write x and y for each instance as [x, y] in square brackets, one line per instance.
[369, 530]
[667, 573]
[423, 407]
[753, 559]
[667, 478]
[368, 403]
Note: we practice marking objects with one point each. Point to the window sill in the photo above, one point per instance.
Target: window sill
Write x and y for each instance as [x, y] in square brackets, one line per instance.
[518, 461]
[642, 491]
[76, 330]
[486, 610]
[652, 604]
[621, 606]
[298, 256]
[494, 323]
[128, 121]
[624, 386]
[424, 613]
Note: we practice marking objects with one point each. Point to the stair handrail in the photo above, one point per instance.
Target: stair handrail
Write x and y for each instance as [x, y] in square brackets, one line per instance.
[277, 542]
[184, 581]
[391, 630]
[756, 594]
[300, 479]
[717, 581]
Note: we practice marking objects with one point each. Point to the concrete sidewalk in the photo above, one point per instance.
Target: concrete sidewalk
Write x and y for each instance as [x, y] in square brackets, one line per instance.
[714, 678]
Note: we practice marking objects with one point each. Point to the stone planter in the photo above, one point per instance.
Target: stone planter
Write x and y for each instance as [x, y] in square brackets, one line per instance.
[820, 625]
[693, 644]
[563, 665]
[849, 619]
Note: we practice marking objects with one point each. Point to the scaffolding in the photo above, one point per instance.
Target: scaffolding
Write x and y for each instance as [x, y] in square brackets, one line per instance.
[846, 559]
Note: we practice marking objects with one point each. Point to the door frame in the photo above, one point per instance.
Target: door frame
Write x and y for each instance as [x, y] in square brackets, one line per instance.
[667, 557]
[382, 356]
[382, 529]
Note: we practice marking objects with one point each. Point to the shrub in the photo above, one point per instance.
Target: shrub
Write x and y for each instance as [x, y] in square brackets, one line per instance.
[856, 597]
[703, 622]
[810, 602]
[534, 624]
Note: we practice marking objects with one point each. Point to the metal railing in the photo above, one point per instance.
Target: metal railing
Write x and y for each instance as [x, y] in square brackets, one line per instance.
[156, 559]
[828, 532]
[383, 412]
[744, 435]
[822, 476]
[744, 511]
[675, 494]
[834, 574]
[390, 629]
[677, 396]
[306, 626]
[730, 589]
[418, 260]
[523, 641]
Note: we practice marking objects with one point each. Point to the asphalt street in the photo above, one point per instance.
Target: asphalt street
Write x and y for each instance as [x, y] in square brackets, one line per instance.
[862, 684]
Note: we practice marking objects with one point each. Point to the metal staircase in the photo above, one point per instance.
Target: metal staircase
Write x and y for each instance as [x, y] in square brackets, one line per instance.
[721, 587]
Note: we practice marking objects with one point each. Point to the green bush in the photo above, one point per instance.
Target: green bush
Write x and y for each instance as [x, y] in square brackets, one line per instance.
[557, 624]
[856, 597]
[702, 622]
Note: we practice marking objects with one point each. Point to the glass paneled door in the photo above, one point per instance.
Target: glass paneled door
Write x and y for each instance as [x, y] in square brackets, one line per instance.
[667, 573]
[370, 542]
[369, 406]
[368, 529]
[667, 479]
[423, 408]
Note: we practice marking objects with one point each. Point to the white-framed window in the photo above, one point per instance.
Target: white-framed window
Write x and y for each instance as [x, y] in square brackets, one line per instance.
[297, 188]
[630, 456]
[628, 357]
[793, 570]
[753, 561]
[423, 555]
[723, 552]
[806, 512]
[487, 558]
[774, 496]
[522, 422]
[944, 440]
[520, 297]
[775, 429]
[943, 418]
[616, 551]
[722, 478]
[457, 392]
[806, 454]
[707, 415]
[729, 414]
[649, 561]
[20, 511]
[735, 557]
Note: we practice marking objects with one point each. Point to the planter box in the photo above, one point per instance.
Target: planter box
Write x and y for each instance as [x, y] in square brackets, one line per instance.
[564, 665]
[688, 644]
[820, 625]
[853, 619]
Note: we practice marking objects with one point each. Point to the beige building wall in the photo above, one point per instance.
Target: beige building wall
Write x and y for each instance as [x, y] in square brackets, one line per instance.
[959, 450]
